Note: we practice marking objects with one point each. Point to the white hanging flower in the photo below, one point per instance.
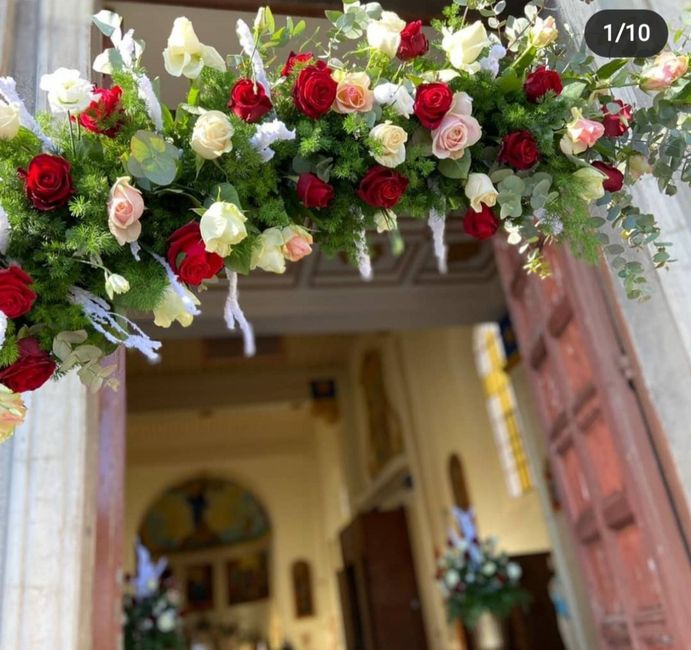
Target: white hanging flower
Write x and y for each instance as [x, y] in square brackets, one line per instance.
[222, 226]
[268, 253]
[9, 121]
[396, 96]
[185, 55]
[67, 91]
[171, 308]
[391, 139]
[385, 221]
[116, 283]
[464, 46]
[212, 135]
[385, 34]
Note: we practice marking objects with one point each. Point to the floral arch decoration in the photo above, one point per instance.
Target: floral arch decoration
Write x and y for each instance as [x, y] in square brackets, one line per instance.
[113, 203]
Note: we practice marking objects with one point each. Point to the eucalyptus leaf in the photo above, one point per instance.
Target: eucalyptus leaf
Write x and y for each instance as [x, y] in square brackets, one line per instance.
[457, 169]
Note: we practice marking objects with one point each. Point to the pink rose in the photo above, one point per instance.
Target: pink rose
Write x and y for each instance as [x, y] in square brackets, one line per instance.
[353, 94]
[581, 133]
[298, 243]
[457, 130]
[125, 208]
[666, 69]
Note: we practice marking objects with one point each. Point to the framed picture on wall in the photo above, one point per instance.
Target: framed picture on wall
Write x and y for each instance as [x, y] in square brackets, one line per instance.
[199, 587]
[247, 578]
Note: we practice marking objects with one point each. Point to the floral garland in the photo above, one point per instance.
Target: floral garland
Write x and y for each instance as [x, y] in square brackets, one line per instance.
[114, 204]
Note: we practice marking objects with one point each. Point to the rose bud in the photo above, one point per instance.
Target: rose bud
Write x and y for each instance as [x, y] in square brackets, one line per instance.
[481, 224]
[540, 81]
[414, 43]
[248, 100]
[313, 192]
[303, 57]
[519, 150]
[188, 257]
[104, 115]
[31, 370]
[615, 179]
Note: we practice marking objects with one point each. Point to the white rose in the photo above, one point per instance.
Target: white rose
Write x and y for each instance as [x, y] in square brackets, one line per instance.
[9, 121]
[479, 189]
[212, 135]
[268, 253]
[185, 55]
[544, 31]
[67, 91]
[392, 139]
[385, 34]
[589, 182]
[396, 96]
[386, 221]
[222, 226]
[171, 308]
[116, 283]
[465, 46]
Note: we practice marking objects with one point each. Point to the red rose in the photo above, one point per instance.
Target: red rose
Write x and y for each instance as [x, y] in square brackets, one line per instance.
[617, 123]
[188, 257]
[314, 90]
[314, 192]
[519, 150]
[303, 57]
[104, 115]
[414, 43]
[31, 370]
[382, 187]
[539, 82]
[480, 225]
[615, 179]
[248, 100]
[48, 181]
[16, 298]
[432, 102]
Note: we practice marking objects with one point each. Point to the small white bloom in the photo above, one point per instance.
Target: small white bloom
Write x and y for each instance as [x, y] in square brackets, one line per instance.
[490, 63]
[479, 189]
[514, 571]
[385, 34]
[212, 135]
[489, 568]
[544, 31]
[392, 139]
[166, 621]
[222, 226]
[452, 578]
[116, 283]
[171, 308]
[67, 91]
[185, 55]
[9, 121]
[386, 221]
[268, 253]
[464, 46]
[396, 96]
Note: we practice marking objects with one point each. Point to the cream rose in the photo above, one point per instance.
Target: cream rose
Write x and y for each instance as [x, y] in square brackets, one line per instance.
[480, 190]
[589, 183]
[457, 131]
[391, 139]
[222, 226]
[212, 135]
[298, 243]
[268, 253]
[353, 94]
[9, 121]
[125, 208]
[171, 308]
[385, 34]
[185, 55]
[581, 133]
[544, 31]
[665, 70]
[385, 221]
[12, 412]
[67, 91]
[396, 96]
[465, 46]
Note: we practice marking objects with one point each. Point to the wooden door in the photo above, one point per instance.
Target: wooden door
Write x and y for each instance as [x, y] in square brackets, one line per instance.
[633, 553]
[378, 585]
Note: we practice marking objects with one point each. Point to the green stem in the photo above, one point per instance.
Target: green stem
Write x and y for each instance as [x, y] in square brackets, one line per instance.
[69, 124]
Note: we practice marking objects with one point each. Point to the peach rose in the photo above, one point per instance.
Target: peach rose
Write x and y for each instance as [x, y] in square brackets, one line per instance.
[458, 129]
[125, 208]
[353, 94]
[298, 243]
[665, 70]
[581, 133]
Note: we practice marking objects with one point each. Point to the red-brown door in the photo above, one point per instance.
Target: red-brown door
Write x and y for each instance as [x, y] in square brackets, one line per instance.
[633, 553]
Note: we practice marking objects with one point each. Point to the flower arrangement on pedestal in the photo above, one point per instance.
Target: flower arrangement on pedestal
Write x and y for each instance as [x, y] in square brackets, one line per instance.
[476, 579]
[152, 617]
[114, 204]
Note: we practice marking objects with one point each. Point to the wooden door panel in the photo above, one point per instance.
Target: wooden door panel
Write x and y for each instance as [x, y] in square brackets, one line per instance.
[631, 548]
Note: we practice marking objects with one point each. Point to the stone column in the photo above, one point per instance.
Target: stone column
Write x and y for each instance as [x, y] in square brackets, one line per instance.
[48, 472]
